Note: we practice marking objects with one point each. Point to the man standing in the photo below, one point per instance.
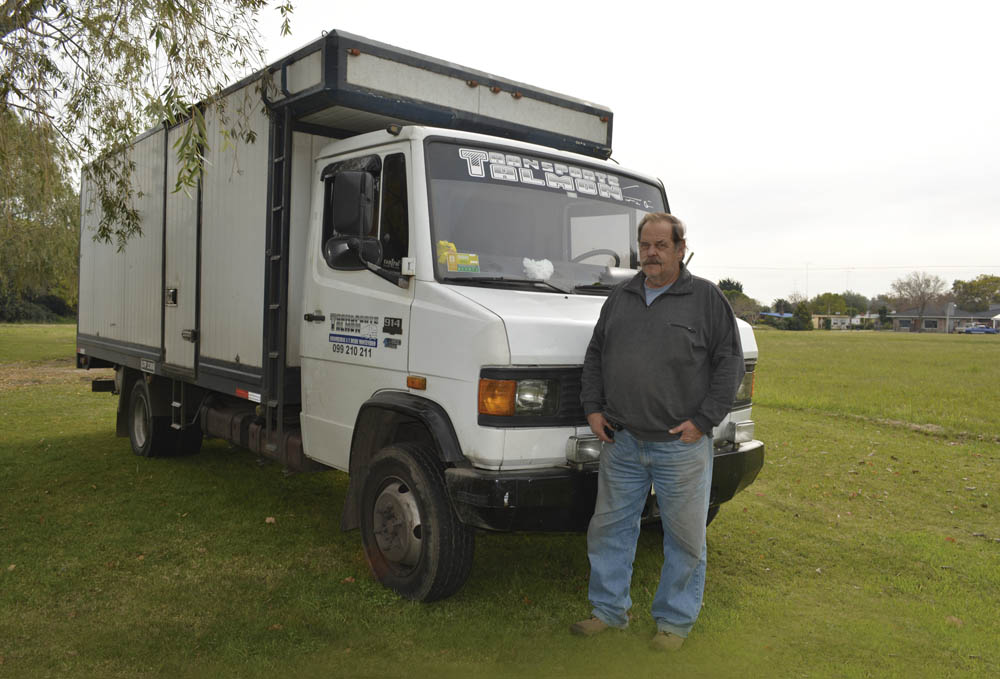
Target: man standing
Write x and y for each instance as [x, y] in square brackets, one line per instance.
[661, 370]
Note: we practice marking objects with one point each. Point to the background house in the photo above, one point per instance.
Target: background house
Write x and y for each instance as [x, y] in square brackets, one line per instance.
[837, 321]
[844, 322]
[945, 318]
[868, 320]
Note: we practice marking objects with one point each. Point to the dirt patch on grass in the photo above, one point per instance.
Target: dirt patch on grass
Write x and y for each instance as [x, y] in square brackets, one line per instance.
[926, 428]
[912, 426]
[26, 374]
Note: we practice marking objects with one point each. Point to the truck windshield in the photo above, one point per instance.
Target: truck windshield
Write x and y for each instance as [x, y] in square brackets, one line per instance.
[503, 218]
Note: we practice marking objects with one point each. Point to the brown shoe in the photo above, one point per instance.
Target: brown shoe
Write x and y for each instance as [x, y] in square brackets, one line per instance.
[665, 641]
[588, 628]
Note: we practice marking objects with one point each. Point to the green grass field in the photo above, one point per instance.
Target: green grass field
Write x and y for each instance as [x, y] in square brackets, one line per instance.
[868, 547]
[37, 342]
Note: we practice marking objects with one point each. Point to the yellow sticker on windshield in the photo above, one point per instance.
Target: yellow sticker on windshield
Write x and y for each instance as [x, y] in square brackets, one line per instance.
[462, 262]
[443, 248]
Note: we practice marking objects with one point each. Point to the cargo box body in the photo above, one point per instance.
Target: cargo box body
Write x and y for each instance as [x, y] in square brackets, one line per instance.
[199, 264]
[191, 296]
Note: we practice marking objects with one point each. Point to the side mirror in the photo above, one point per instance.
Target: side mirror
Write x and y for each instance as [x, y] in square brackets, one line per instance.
[338, 254]
[369, 250]
[352, 207]
[352, 253]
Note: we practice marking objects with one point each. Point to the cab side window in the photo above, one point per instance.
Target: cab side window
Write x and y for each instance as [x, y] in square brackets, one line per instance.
[365, 213]
[350, 211]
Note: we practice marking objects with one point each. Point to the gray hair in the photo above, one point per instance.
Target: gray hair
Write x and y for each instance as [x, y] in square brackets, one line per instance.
[678, 230]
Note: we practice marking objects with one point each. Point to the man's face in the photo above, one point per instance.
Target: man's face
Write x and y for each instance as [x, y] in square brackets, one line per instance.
[659, 256]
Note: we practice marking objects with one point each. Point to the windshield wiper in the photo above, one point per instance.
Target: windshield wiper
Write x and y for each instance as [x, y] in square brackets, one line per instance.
[594, 288]
[504, 279]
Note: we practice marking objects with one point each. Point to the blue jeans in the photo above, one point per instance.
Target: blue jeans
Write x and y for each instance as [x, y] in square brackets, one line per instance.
[681, 475]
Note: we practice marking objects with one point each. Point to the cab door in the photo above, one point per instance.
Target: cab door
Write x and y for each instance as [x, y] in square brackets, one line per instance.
[356, 322]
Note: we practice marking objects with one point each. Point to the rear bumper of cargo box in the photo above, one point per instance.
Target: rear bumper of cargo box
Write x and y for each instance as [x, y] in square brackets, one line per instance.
[562, 499]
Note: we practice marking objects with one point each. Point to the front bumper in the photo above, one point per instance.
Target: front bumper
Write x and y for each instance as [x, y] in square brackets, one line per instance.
[562, 499]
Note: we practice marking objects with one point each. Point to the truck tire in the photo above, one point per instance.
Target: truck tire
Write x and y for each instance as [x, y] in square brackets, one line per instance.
[148, 434]
[413, 540]
[151, 435]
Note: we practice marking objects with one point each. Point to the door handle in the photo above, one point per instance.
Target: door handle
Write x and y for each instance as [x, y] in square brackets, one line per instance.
[314, 317]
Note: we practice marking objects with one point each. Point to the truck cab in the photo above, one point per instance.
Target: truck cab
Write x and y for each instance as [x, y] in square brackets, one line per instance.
[460, 275]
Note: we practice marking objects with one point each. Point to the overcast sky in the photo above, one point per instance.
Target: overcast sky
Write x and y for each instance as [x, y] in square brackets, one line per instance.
[810, 147]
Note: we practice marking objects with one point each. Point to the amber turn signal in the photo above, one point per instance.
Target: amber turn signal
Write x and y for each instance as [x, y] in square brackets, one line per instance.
[414, 382]
[496, 397]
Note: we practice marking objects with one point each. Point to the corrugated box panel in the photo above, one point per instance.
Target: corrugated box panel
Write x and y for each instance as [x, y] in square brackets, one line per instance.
[234, 211]
[121, 292]
[180, 263]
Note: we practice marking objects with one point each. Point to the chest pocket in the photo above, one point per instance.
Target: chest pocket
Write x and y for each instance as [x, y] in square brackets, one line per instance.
[685, 341]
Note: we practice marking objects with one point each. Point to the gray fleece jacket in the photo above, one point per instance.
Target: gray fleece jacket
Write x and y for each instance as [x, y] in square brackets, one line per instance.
[651, 368]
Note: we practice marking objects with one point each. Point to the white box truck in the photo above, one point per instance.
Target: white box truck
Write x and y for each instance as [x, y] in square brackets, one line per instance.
[399, 281]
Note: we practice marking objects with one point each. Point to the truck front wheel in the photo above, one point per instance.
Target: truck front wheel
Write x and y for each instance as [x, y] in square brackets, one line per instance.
[412, 538]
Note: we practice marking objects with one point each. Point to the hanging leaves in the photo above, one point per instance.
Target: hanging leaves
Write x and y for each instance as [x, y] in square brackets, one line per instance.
[100, 72]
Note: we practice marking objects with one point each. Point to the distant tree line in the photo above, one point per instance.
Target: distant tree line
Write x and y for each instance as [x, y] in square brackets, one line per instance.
[80, 79]
[916, 292]
[39, 224]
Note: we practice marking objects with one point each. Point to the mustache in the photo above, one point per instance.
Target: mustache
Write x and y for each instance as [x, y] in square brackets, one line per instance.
[651, 260]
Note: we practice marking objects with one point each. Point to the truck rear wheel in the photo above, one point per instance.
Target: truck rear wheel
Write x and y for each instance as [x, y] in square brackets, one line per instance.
[152, 435]
[412, 537]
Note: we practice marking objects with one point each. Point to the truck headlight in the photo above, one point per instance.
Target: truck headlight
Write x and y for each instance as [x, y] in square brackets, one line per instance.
[531, 396]
[518, 397]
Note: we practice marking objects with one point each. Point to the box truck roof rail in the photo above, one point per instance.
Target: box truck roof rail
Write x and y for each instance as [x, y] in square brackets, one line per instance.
[343, 84]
